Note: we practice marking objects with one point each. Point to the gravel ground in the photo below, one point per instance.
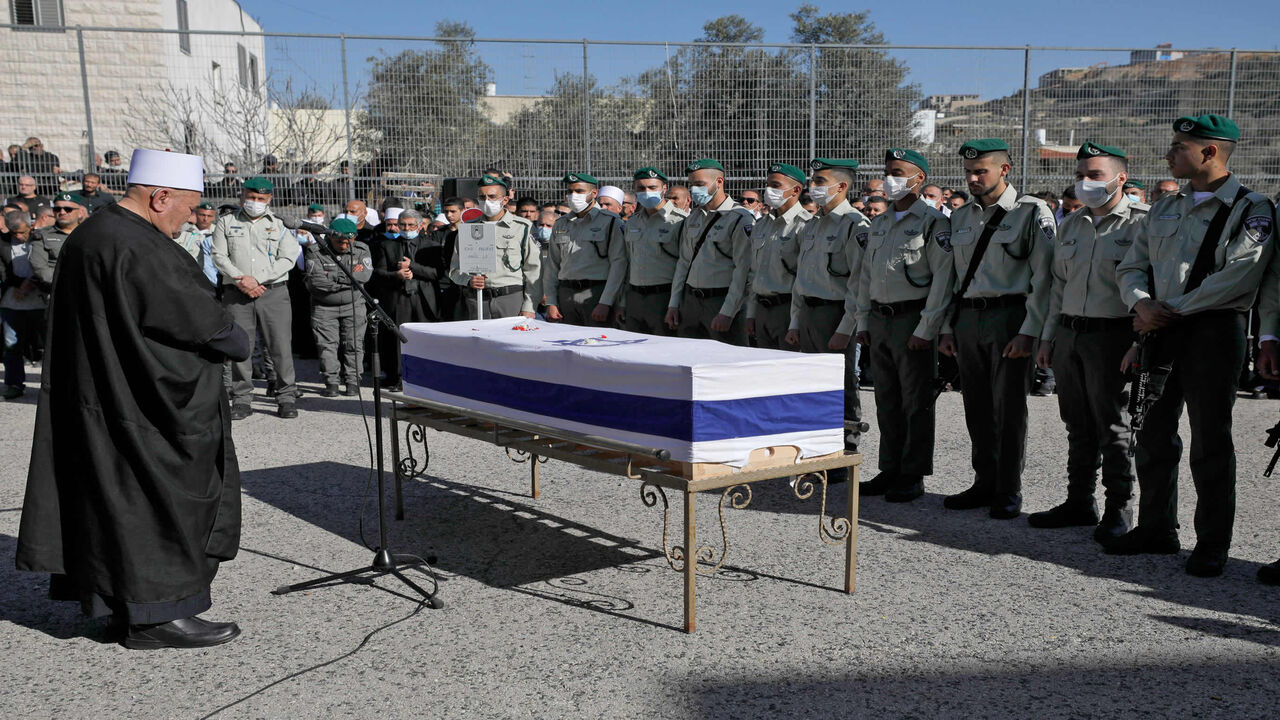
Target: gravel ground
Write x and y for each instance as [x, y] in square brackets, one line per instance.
[564, 606]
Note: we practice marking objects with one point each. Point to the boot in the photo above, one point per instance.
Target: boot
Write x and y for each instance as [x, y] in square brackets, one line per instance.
[906, 489]
[1117, 519]
[974, 497]
[879, 484]
[1072, 513]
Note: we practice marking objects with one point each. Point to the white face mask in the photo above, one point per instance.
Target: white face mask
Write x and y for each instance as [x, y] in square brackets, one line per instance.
[254, 208]
[1093, 193]
[931, 203]
[317, 219]
[820, 194]
[492, 208]
[896, 188]
[773, 197]
[578, 202]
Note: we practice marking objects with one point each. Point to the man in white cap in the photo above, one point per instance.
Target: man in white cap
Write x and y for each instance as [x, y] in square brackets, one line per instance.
[133, 492]
[611, 199]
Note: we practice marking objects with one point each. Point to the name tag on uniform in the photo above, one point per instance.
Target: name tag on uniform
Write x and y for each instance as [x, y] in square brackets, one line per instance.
[596, 229]
[1174, 216]
[961, 231]
[661, 231]
[911, 233]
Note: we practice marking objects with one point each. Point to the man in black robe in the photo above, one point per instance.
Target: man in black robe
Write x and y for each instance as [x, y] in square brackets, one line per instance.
[133, 493]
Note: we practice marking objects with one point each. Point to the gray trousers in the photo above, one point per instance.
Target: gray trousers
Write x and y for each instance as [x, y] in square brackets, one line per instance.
[647, 313]
[494, 307]
[817, 325]
[339, 331]
[995, 395]
[696, 315]
[273, 314]
[577, 305]
[904, 394]
[1207, 351]
[772, 324]
[1091, 402]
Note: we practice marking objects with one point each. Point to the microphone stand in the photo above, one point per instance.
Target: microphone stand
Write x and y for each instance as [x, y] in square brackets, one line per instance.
[384, 562]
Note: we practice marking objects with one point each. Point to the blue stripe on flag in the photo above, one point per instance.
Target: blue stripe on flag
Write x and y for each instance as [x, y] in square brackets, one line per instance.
[686, 420]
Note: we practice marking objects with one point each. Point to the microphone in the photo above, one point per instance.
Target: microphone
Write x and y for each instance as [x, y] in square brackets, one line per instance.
[294, 223]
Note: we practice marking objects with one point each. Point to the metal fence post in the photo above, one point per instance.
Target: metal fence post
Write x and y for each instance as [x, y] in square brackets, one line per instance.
[1026, 117]
[346, 111]
[1231, 86]
[586, 105]
[813, 101]
[92, 161]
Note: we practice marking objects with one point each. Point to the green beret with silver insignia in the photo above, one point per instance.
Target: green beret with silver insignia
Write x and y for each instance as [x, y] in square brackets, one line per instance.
[1092, 149]
[343, 226]
[704, 164]
[205, 206]
[487, 180]
[259, 184]
[579, 177]
[1132, 184]
[907, 155]
[976, 148]
[790, 171]
[1213, 127]
[69, 197]
[649, 173]
[315, 207]
[838, 163]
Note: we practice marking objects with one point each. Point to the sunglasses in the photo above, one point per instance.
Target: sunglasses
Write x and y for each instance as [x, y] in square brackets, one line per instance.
[60, 209]
[750, 201]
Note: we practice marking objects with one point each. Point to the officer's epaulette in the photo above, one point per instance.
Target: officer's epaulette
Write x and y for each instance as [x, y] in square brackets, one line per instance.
[1031, 200]
[1140, 207]
[519, 220]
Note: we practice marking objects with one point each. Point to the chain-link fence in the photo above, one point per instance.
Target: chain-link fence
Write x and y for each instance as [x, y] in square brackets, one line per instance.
[336, 117]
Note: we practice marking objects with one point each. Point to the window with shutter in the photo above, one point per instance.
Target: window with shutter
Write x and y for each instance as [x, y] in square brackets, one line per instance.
[37, 14]
[184, 37]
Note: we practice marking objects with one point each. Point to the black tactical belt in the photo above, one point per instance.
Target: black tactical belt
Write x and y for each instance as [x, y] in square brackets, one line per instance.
[1094, 324]
[707, 292]
[650, 289]
[580, 284]
[768, 301]
[820, 302]
[897, 308]
[988, 303]
[498, 292]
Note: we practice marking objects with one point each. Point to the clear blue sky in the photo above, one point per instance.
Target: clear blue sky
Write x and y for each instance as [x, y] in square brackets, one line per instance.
[1249, 24]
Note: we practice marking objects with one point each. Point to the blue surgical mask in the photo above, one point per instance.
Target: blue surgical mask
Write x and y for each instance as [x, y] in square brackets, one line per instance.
[649, 198]
[700, 195]
[1134, 198]
[542, 233]
[391, 235]
[409, 234]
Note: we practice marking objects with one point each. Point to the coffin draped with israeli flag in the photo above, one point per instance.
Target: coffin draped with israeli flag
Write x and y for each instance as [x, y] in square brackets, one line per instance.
[701, 400]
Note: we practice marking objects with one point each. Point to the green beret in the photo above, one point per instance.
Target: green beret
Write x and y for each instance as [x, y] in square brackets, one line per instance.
[649, 173]
[69, 197]
[314, 207]
[1132, 184]
[1091, 149]
[790, 171]
[343, 226]
[575, 177]
[907, 155]
[487, 180]
[1213, 127]
[824, 163]
[259, 184]
[974, 148]
[704, 164]
[205, 206]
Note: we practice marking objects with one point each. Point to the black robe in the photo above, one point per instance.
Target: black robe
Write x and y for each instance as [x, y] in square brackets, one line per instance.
[133, 491]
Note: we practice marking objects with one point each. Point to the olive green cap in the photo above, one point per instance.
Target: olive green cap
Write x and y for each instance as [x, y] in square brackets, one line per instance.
[649, 173]
[69, 197]
[576, 177]
[1133, 184]
[907, 155]
[205, 206]
[1213, 127]
[343, 226]
[259, 184]
[1092, 149]
[487, 180]
[790, 171]
[839, 163]
[975, 148]
[703, 164]
[314, 207]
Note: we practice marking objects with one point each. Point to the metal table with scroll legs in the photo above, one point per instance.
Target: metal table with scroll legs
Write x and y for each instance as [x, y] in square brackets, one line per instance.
[531, 443]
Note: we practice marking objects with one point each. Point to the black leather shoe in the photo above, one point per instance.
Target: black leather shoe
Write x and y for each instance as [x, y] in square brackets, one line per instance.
[1206, 562]
[879, 484]
[398, 387]
[1116, 521]
[1005, 507]
[1139, 541]
[271, 388]
[330, 391]
[906, 489]
[974, 497]
[351, 390]
[838, 476]
[240, 412]
[1069, 514]
[1269, 574]
[189, 632]
[287, 410]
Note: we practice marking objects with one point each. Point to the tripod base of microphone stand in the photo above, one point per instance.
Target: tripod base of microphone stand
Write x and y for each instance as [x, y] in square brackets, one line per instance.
[384, 563]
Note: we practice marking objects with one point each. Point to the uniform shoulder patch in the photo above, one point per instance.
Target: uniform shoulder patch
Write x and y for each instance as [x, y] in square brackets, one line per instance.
[944, 240]
[1258, 228]
[1048, 228]
[862, 239]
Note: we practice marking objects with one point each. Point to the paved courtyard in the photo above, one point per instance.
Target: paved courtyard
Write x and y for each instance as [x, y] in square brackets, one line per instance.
[564, 606]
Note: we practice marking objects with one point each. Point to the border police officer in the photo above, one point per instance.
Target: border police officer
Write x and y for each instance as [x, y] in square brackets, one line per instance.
[1191, 275]
[1086, 334]
[513, 289]
[338, 313]
[653, 247]
[776, 247]
[586, 259]
[902, 300]
[1001, 244]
